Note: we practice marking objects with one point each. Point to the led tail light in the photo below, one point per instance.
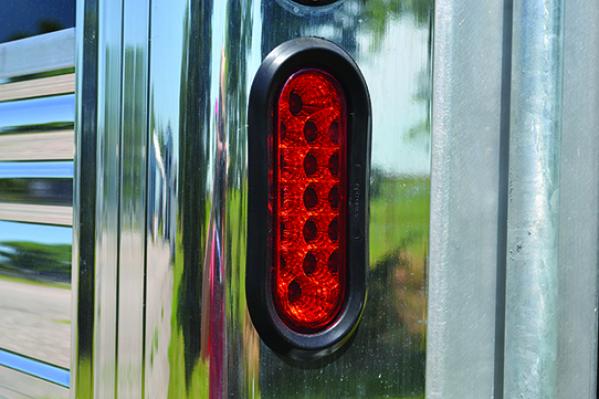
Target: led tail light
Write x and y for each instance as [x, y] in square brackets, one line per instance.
[309, 148]
[310, 186]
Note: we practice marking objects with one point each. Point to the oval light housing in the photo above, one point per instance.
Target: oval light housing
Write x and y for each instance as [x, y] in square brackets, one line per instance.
[309, 156]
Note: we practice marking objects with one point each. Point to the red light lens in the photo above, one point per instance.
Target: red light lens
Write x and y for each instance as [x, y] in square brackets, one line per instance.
[310, 185]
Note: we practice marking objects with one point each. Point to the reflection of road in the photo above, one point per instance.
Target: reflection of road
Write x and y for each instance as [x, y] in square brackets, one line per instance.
[35, 321]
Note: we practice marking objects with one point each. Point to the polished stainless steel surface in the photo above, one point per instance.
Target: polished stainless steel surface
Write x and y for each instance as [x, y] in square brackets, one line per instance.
[132, 251]
[199, 339]
[84, 202]
[107, 146]
[36, 172]
[468, 200]
[532, 268]
[52, 51]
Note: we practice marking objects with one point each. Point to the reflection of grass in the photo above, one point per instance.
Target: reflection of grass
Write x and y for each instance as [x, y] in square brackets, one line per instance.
[182, 385]
[36, 261]
[399, 215]
[62, 321]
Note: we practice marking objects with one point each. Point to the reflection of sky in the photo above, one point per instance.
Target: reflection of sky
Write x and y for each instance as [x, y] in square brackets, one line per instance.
[37, 111]
[35, 368]
[166, 69]
[20, 17]
[23, 170]
[13, 231]
[402, 58]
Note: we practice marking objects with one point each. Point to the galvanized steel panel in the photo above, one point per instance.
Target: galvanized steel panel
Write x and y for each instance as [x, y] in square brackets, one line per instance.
[467, 200]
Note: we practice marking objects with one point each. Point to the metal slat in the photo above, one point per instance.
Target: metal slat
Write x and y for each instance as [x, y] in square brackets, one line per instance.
[28, 207]
[17, 385]
[38, 114]
[53, 85]
[51, 145]
[53, 51]
[33, 213]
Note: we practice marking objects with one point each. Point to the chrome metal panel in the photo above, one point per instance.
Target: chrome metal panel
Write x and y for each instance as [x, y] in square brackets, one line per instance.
[107, 147]
[173, 336]
[199, 339]
[464, 342]
[532, 268]
[16, 385]
[35, 295]
[84, 201]
[52, 51]
[579, 204]
[134, 134]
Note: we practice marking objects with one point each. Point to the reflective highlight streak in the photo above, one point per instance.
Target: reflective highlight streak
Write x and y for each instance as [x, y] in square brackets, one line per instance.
[35, 368]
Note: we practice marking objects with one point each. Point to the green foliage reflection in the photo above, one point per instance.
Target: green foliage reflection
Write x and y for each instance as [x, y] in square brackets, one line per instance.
[35, 261]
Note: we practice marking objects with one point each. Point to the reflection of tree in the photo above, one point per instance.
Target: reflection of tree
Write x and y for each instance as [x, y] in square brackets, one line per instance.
[352, 19]
[395, 290]
[48, 25]
[37, 191]
[376, 14]
[186, 367]
[43, 26]
[36, 261]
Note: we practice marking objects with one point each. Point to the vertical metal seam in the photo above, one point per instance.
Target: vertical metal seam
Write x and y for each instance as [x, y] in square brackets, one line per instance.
[119, 196]
[502, 201]
[146, 194]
